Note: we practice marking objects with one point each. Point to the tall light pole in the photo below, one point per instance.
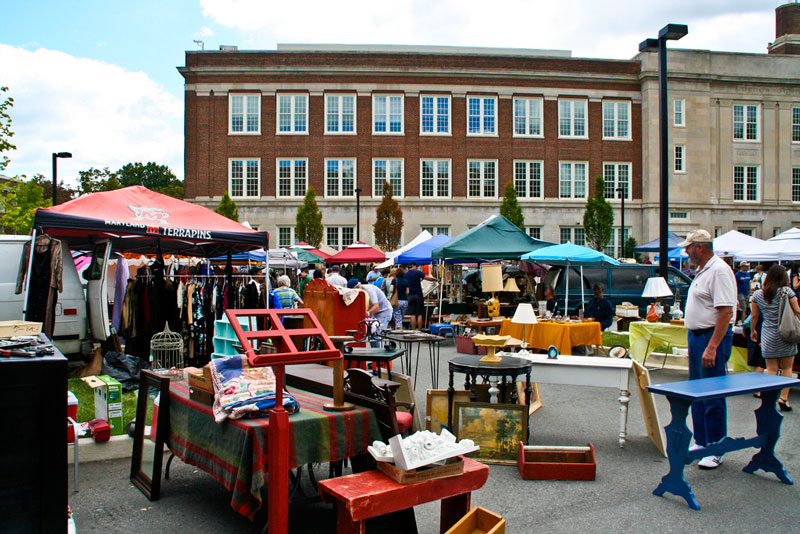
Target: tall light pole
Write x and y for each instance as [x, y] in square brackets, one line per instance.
[358, 214]
[57, 155]
[622, 192]
[670, 32]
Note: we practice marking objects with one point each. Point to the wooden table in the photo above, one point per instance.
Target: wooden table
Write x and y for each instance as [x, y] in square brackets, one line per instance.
[480, 324]
[681, 395]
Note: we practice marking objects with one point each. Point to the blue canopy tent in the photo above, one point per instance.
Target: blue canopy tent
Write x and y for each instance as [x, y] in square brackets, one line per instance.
[653, 246]
[569, 255]
[421, 254]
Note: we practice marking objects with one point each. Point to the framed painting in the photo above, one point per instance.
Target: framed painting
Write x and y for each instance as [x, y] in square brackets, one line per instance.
[496, 428]
[436, 408]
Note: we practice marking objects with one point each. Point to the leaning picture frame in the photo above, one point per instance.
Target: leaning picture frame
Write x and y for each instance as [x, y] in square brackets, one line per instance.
[405, 393]
[496, 428]
[436, 408]
[150, 433]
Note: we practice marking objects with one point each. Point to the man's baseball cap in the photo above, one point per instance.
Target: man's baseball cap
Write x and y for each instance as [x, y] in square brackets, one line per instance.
[696, 236]
[353, 282]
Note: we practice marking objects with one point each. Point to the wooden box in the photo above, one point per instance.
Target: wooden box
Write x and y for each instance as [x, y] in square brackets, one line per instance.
[202, 396]
[202, 380]
[556, 463]
[412, 476]
[19, 328]
[479, 521]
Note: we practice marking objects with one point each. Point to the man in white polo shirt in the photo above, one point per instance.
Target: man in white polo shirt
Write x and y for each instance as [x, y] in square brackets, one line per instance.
[710, 309]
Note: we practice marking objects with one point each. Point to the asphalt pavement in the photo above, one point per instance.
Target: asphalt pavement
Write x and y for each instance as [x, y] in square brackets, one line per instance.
[619, 500]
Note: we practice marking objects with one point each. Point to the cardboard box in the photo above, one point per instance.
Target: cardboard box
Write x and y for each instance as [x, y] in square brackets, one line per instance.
[202, 380]
[19, 328]
[422, 474]
[556, 463]
[479, 521]
[202, 396]
[107, 401]
[627, 310]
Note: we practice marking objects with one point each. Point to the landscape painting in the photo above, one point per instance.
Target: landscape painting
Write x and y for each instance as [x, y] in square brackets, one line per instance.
[496, 428]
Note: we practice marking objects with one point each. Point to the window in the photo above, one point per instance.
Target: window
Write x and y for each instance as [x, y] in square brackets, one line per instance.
[575, 235]
[795, 125]
[292, 177]
[338, 237]
[390, 170]
[796, 184]
[678, 112]
[244, 114]
[617, 176]
[481, 179]
[776, 230]
[746, 230]
[435, 178]
[679, 215]
[436, 230]
[481, 115]
[634, 278]
[286, 236]
[528, 179]
[616, 120]
[292, 114]
[527, 117]
[616, 244]
[434, 115]
[340, 114]
[745, 122]
[572, 118]
[340, 177]
[534, 231]
[680, 159]
[387, 114]
[572, 179]
[745, 183]
[244, 178]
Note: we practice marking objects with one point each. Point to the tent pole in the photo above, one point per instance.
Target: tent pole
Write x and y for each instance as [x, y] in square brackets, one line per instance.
[583, 297]
[28, 276]
[566, 295]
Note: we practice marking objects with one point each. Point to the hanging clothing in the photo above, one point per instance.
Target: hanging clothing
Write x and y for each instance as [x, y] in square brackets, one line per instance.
[45, 281]
[120, 285]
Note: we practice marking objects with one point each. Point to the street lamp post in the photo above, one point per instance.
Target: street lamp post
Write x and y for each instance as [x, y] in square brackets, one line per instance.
[622, 191]
[358, 214]
[57, 155]
[670, 32]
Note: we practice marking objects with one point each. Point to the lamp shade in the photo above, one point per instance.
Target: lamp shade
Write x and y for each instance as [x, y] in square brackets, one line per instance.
[524, 314]
[491, 277]
[511, 286]
[656, 287]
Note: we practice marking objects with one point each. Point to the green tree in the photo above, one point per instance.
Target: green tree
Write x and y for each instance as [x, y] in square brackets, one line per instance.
[155, 177]
[96, 180]
[628, 252]
[309, 220]
[598, 219]
[5, 128]
[388, 227]
[227, 207]
[18, 203]
[63, 192]
[510, 208]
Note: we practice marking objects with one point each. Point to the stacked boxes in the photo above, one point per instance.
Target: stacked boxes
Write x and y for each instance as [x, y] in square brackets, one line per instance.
[107, 401]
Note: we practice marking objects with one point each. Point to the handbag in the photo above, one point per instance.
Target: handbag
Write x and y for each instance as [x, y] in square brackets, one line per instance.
[788, 323]
[394, 298]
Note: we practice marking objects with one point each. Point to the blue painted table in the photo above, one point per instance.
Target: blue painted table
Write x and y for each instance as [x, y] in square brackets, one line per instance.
[681, 395]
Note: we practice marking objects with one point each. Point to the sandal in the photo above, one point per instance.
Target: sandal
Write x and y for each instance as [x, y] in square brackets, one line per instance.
[784, 406]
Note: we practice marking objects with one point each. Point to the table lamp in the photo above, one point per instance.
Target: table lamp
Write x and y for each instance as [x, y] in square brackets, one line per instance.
[524, 316]
[492, 282]
[657, 288]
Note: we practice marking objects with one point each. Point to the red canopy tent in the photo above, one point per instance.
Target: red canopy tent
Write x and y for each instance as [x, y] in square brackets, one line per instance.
[358, 252]
[306, 246]
[136, 219]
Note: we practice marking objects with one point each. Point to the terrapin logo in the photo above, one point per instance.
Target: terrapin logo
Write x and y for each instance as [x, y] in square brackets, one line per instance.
[152, 215]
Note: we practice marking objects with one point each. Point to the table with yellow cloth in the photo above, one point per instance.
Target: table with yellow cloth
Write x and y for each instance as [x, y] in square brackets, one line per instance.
[563, 335]
[646, 336]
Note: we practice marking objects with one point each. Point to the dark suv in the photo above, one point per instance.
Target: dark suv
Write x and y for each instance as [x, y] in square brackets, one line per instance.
[624, 283]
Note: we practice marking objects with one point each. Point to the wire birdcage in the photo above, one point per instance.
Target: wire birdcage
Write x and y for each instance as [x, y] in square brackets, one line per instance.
[166, 350]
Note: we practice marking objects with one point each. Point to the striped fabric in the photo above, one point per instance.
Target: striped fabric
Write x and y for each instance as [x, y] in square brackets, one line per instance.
[235, 452]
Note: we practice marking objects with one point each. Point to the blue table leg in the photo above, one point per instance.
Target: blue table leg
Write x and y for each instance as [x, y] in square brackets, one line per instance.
[768, 428]
[678, 437]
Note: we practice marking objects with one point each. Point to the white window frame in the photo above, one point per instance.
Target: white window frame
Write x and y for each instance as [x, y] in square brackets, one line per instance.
[745, 136]
[574, 231]
[292, 179]
[679, 113]
[482, 116]
[293, 97]
[245, 97]
[292, 236]
[529, 165]
[531, 124]
[482, 179]
[435, 229]
[340, 178]
[374, 182]
[437, 163]
[244, 177]
[436, 115]
[796, 124]
[616, 179]
[679, 163]
[572, 119]
[389, 97]
[615, 105]
[340, 113]
[745, 179]
[795, 184]
[339, 230]
[573, 165]
[682, 216]
[613, 248]
[530, 230]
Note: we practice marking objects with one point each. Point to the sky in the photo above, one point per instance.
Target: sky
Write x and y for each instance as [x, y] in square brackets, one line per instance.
[99, 78]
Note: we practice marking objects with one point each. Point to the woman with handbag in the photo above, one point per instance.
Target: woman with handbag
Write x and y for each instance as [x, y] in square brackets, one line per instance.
[399, 300]
[778, 352]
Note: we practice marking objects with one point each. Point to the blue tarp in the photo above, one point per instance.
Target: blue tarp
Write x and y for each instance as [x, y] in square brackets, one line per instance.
[421, 254]
[652, 246]
[676, 254]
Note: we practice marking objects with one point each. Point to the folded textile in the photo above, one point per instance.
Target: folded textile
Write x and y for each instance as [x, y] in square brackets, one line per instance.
[348, 295]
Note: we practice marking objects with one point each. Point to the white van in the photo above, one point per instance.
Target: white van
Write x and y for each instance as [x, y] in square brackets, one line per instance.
[71, 317]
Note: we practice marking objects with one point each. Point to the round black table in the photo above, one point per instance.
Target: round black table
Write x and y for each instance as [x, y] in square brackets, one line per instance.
[508, 367]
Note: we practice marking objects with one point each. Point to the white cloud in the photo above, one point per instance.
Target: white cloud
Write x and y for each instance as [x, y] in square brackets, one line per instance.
[105, 115]
[205, 31]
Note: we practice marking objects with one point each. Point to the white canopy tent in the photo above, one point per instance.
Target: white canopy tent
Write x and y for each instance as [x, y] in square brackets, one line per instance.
[390, 256]
[782, 247]
[733, 242]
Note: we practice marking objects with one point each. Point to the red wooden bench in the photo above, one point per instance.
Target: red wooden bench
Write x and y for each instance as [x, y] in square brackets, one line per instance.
[370, 494]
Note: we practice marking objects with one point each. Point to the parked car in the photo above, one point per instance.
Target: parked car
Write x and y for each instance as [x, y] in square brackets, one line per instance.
[624, 283]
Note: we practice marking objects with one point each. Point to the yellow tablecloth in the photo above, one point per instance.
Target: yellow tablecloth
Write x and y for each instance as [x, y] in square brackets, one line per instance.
[563, 335]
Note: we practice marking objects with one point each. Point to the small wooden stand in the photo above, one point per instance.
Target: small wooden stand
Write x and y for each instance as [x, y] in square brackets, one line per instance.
[338, 404]
[492, 343]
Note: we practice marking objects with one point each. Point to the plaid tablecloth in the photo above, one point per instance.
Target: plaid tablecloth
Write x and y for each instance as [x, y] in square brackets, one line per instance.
[235, 452]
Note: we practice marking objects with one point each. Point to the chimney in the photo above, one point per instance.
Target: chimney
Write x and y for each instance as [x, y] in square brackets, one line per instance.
[787, 30]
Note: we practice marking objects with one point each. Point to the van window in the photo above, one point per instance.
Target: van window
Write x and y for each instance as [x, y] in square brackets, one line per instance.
[594, 275]
[629, 278]
[674, 280]
[95, 271]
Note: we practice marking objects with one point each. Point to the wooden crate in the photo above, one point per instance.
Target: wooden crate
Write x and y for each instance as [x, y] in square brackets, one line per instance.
[412, 476]
[556, 463]
[479, 521]
[19, 328]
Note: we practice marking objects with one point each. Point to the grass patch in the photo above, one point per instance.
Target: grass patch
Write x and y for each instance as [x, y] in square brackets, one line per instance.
[612, 338]
[86, 402]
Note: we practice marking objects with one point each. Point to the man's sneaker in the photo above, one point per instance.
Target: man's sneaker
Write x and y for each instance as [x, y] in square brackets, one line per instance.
[710, 462]
[695, 447]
